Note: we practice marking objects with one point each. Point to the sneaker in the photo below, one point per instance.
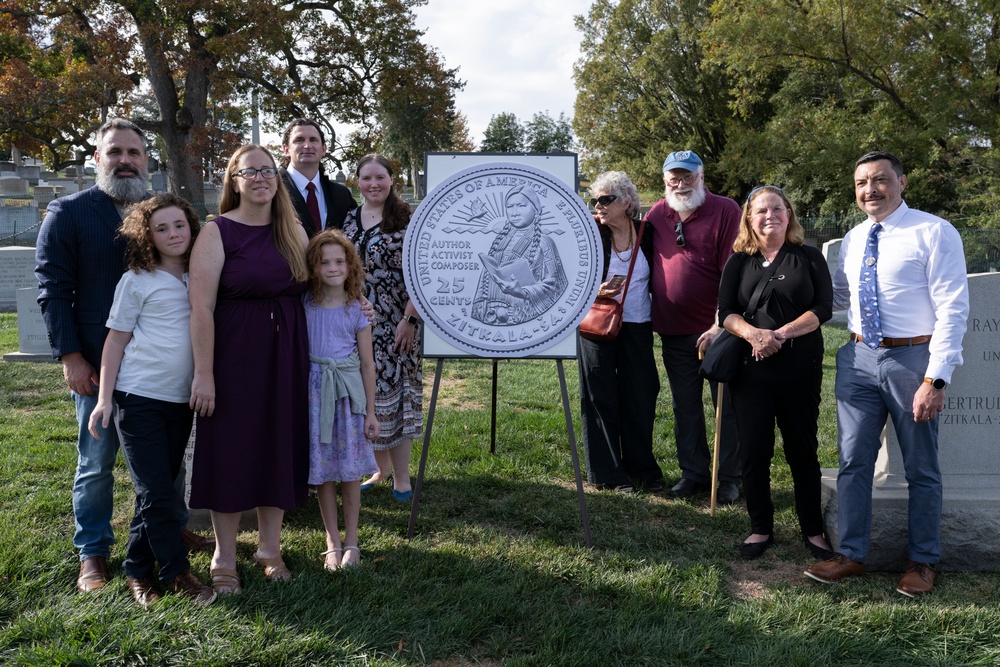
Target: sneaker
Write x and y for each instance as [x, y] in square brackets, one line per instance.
[186, 585]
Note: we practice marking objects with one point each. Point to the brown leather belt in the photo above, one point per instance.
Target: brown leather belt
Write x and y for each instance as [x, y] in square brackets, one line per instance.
[895, 342]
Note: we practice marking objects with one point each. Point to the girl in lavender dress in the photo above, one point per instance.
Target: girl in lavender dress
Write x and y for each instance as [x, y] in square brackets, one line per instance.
[341, 389]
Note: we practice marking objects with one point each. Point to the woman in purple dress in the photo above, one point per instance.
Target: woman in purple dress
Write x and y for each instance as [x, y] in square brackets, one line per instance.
[251, 355]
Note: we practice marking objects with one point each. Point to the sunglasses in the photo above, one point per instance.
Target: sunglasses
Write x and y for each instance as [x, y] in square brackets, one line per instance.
[603, 200]
[679, 228]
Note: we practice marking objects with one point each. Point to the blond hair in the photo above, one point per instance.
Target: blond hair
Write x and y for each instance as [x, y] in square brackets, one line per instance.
[747, 241]
[284, 223]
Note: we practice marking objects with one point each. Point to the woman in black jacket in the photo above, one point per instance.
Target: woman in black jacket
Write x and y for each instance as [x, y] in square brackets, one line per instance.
[780, 382]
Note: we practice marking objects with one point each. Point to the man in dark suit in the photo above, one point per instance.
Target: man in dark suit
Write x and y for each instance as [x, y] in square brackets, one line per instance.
[319, 202]
[79, 260]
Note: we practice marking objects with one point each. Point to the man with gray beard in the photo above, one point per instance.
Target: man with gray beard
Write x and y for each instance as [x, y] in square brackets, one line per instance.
[79, 260]
[693, 235]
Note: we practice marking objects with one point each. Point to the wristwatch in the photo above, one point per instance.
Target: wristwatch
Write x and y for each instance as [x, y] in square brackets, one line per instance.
[937, 383]
[412, 319]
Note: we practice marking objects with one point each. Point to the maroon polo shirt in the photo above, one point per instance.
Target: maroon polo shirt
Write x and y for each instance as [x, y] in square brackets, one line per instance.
[685, 281]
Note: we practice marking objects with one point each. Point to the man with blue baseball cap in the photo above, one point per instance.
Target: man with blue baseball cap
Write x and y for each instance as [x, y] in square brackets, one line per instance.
[693, 234]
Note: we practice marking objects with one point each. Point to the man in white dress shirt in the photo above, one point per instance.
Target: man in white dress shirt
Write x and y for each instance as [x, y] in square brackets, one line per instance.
[902, 276]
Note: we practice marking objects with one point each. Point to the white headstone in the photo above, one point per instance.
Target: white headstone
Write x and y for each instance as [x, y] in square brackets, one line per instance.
[831, 251]
[17, 270]
[12, 184]
[968, 430]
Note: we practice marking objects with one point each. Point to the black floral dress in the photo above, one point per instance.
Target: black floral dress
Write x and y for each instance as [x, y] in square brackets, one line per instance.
[398, 397]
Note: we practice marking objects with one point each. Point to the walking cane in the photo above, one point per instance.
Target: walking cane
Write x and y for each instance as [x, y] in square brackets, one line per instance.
[715, 451]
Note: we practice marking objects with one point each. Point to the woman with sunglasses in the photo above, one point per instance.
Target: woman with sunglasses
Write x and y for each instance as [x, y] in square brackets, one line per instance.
[618, 379]
[780, 380]
[251, 356]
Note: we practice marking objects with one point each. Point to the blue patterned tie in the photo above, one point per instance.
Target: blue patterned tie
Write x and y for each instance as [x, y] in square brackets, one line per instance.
[871, 323]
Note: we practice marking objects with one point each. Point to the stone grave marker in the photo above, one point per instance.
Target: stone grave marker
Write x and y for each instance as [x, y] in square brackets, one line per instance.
[12, 184]
[968, 433]
[18, 224]
[831, 251]
[32, 336]
[31, 173]
[17, 270]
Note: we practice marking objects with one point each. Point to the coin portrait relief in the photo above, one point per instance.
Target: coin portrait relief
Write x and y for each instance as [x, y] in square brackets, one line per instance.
[502, 260]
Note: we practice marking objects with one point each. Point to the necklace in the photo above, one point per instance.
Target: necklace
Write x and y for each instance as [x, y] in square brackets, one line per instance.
[631, 237]
[767, 260]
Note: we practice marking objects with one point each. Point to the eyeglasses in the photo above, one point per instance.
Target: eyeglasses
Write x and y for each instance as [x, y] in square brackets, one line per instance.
[679, 228]
[761, 187]
[250, 173]
[686, 180]
[603, 200]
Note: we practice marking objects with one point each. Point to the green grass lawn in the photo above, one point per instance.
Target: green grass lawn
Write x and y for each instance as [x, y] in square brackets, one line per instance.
[498, 572]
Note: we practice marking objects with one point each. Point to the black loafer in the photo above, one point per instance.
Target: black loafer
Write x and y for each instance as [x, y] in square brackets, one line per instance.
[728, 493]
[817, 552]
[687, 487]
[752, 550]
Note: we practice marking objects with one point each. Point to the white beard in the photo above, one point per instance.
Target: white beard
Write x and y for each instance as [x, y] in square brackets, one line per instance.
[127, 190]
[688, 201]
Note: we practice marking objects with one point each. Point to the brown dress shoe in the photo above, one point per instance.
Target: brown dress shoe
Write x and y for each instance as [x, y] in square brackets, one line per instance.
[834, 569]
[93, 574]
[196, 542]
[186, 585]
[144, 591]
[918, 580]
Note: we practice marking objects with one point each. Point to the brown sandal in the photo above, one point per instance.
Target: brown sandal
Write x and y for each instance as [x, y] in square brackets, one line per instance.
[274, 568]
[225, 581]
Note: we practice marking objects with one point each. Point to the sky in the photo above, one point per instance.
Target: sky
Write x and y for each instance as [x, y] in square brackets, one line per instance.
[515, 56]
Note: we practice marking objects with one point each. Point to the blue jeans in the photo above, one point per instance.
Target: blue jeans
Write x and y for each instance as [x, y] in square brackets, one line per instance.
[93, 485]
[871, 385]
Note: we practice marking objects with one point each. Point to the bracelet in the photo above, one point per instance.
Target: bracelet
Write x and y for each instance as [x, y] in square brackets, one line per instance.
[412, 319]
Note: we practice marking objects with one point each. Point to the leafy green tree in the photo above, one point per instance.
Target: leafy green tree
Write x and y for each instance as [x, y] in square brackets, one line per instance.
[920, 79]
[504, 134]
[461, 139]
[417, 110]
[545, 134]
[323, 59]
[644, 88]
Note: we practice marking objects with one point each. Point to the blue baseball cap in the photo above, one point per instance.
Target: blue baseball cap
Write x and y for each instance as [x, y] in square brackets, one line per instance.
[682, 160]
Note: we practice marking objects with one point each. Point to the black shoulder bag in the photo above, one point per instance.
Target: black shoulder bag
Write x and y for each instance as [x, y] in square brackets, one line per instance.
[725, 356]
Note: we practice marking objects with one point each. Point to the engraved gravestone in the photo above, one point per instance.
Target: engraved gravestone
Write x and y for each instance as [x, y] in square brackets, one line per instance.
[17, 270]
[968, 433]
[501, 260]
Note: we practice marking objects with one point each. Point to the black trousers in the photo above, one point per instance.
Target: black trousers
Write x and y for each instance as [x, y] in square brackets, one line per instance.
[618, 389]
[680, 359]
[153, 437]
[785, 390]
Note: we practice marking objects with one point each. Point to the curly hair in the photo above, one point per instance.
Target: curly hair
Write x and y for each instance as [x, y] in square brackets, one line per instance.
[140, 251]
[618, 183]
[355, 281]
[395, 212]
[747, 241]
[283, 218]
